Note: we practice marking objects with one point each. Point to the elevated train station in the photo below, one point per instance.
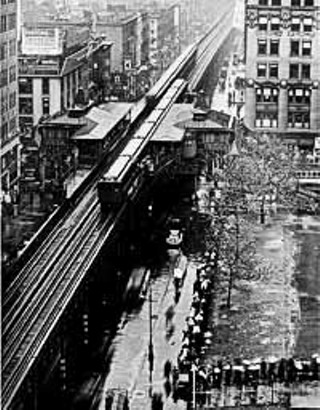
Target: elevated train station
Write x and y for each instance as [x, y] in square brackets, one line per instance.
[57, 307]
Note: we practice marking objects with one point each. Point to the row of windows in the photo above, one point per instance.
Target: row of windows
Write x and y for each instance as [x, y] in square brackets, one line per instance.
[26, 86]
[295, 95]
[7, 76]
[7, 49]
[294, 3]
[7, 22]
[8, 104]
[4, 131]
[263, 48]
[270, 70]
[4, 2]
[297, 47]
[299, 120]
[7, 128]
[296, 71]
[26, 105]
[274, 23]
[270, 120]
[300, 48]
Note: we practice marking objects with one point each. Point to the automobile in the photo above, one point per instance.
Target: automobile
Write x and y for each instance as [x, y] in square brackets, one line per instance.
[224, 72]
[183, 386]
[175, 236]
[174, 240]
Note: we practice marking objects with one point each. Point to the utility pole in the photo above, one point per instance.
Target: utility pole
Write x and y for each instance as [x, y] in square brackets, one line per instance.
[236, 258]
[234, 154]
[194, 369]
[151, 354]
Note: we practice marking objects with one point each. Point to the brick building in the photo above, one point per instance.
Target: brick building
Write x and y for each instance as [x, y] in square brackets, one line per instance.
[59, 67]
[282, 41]
[10, 148]
[164, 45]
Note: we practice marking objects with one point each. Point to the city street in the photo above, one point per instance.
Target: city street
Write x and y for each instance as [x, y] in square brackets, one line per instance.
[160, 204]
[130, 366]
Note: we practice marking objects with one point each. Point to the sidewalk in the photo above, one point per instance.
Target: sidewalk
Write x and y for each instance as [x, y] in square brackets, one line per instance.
[220, 98]
[130, 366]
[164, 349]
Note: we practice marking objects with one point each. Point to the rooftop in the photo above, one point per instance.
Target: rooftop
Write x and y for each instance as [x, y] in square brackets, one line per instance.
[170, 130]
[100, 120]
[181, 117]
[116, 19]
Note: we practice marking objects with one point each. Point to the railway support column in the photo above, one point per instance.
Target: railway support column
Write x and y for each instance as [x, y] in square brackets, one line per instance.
[30, 396]
[63, 371]
[85, 317]
[85, 324]
[283, 104]
[315, 105]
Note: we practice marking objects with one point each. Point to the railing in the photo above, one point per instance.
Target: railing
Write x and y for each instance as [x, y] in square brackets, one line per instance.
[309, 175]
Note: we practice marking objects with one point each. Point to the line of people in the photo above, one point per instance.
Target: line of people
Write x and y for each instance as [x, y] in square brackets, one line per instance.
[224, 373]
[258, 372]
[194, 333]
[196, 323]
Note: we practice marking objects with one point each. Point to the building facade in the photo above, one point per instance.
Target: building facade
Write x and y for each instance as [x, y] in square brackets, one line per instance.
[59, 69]
[164, 39]
[122, 31]
[282, 41]
[10, 147]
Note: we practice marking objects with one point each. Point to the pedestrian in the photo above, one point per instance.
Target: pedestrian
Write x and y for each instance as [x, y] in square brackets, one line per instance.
[227, 374]
[175, 378]
[157, 402]
[169, 315]
[291, 370]
[167, 369]
[315, 367]
[167, 387]
[282, 370]
[263, 370]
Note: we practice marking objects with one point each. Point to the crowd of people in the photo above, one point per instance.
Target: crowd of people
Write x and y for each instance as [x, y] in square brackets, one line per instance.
[194, 372]
[196, 322]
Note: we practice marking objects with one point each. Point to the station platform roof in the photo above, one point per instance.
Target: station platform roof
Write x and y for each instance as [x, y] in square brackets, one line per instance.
[181, 118]
[101, 120]
[170, 130]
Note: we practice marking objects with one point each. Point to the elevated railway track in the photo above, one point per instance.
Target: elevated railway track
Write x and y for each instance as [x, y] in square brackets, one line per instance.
[209, 46]
[55, 265]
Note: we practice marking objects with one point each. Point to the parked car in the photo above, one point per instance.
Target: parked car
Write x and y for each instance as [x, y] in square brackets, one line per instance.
[175, 236]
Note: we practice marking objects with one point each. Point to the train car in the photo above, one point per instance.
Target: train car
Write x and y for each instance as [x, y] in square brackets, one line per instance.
[114, 188]
[129, 171]
[178, 68]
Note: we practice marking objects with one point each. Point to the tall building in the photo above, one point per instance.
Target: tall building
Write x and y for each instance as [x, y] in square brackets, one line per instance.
[282, 41]
[164, 39]
[122, 30]
[8, 95]
[59, 66]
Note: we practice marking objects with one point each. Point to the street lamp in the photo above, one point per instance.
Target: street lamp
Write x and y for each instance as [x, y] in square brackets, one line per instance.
[194, 370]
[234, 154]
[150, 348]
[150, 352]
